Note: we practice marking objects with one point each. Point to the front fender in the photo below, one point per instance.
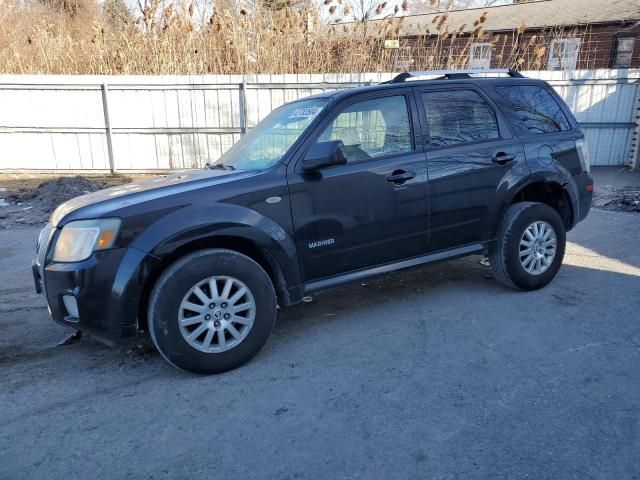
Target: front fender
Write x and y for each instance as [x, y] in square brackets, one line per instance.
[192, 223]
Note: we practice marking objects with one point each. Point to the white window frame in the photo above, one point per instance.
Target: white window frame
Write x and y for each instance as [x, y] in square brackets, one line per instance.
[403, 59]
[570, 52]
[480, 55]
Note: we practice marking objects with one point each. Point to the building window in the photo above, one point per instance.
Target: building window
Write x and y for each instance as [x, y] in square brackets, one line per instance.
[623, 52]
[563, 54]
[480, 55]
[402, 59]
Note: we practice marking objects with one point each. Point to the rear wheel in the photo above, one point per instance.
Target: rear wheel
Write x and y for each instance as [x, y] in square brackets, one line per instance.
[529, 246]
[211, 311]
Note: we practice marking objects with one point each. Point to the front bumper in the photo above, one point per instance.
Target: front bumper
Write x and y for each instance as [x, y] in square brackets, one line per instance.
[107, 287]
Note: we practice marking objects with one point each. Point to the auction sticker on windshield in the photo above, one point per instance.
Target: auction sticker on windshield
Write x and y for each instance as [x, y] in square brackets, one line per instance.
[305, 112]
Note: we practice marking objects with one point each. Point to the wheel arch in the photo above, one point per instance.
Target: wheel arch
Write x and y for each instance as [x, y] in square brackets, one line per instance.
[238, 244]
[549, 192]
[224, 226]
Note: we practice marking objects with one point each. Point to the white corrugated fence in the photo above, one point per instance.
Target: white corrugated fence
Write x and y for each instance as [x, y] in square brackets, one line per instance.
[166, 122]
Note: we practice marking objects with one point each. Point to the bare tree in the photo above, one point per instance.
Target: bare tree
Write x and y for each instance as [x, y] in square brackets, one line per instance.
[363, 10]
[117, 13]
[432, 6]
[68, 7]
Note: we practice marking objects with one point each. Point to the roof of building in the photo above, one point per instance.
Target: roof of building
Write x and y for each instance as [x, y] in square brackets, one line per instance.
[532, 15]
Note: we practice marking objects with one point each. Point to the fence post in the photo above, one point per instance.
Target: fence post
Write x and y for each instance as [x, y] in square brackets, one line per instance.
[107, 128]
[634, 150]
[243, 107]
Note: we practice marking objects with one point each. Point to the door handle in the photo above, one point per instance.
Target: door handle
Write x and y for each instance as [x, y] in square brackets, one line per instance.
[400, 176]
[502, 158]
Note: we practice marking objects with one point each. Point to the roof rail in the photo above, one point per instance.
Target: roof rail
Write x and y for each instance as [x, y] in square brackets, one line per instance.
[453, 74]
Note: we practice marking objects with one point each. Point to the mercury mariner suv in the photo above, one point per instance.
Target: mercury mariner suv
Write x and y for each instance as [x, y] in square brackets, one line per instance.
[327, 189]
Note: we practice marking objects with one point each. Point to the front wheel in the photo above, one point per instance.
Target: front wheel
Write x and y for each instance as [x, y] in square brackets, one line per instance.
[529, 247]
[211, 311]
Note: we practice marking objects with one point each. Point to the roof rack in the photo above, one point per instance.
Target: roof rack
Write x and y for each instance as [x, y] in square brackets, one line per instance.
[453, 74]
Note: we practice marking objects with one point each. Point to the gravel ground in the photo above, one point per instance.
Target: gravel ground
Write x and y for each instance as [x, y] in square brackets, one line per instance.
[435, 373]
[616, 189]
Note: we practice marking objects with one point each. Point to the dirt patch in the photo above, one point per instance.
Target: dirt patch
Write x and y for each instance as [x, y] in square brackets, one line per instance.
[29, 200]
[621, 199]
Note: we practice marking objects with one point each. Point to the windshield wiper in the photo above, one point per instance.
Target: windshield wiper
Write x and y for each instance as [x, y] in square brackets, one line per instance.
[219, 166]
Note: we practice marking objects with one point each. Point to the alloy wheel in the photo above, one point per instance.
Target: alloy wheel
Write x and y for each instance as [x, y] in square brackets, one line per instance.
[217, 314]
[538, 247]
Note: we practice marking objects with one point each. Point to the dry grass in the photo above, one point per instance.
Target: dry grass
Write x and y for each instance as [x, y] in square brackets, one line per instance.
[82, 37]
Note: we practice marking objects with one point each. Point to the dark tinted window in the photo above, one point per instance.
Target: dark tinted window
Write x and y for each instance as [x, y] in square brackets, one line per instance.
[536, 108]
[459, 116]
[623, 52]
[372, 128]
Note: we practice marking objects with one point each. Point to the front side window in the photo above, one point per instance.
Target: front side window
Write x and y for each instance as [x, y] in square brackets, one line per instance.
[623, 52]
[480, 55]
[459, 116]
[267, 143]
[563, 54]
[535, 108]
[372, 128]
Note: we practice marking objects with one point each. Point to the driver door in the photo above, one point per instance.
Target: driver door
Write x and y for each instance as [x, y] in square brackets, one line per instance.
[373, 210]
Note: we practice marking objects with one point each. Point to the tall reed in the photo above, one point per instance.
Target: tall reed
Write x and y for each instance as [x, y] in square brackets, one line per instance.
[84, 37]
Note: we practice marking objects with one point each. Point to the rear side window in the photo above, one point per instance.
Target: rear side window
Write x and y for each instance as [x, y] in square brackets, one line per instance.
[372, 128]
[535, 108]
[459, 116]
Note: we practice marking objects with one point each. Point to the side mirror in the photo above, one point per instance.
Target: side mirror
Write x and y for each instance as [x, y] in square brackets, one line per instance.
[324, 154]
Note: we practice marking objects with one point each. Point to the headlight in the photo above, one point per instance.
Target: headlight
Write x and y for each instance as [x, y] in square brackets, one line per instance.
[79, 239]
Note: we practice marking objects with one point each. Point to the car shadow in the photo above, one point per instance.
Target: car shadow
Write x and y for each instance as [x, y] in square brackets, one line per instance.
[429, 297]
[456, 291]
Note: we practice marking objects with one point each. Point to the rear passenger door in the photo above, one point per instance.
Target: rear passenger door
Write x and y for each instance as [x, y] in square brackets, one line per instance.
[472, 159]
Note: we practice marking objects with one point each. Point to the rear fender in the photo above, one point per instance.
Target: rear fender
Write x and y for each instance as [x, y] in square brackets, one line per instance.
[558, 177]
[561, 177]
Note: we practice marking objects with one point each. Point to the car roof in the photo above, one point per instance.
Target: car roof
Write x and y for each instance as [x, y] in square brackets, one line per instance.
[478, 81]
[456, 79]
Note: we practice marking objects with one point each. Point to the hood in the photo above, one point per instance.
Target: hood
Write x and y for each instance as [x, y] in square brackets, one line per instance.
[125, 195]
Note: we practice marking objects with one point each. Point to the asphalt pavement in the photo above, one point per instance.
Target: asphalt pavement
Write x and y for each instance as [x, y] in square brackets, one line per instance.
[433, 373]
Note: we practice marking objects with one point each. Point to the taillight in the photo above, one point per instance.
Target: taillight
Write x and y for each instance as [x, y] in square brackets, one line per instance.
[583, 154]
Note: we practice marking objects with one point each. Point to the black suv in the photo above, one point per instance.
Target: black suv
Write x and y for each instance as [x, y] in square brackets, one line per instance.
[325, 190]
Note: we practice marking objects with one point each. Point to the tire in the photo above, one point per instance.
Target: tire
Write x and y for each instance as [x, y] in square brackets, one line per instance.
[505, 257]
[179, 306]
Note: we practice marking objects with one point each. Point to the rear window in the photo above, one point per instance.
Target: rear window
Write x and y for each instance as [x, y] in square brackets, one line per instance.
[536, 108]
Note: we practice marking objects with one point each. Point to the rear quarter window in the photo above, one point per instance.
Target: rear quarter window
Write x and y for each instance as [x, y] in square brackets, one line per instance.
[534, 108]
[459, 116]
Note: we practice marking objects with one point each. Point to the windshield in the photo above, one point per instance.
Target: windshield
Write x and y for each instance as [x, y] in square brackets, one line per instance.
[265, 144]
